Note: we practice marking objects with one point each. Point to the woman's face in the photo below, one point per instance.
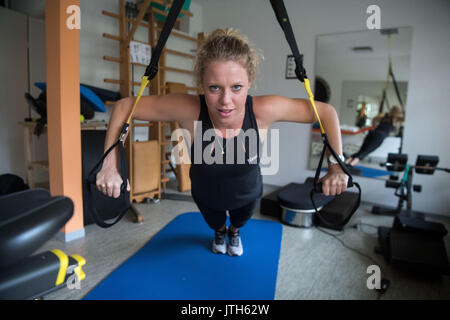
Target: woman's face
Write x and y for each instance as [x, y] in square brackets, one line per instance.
[225, 85]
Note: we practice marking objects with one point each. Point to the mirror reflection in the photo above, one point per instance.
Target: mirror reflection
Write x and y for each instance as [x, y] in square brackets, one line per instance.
[364, 75]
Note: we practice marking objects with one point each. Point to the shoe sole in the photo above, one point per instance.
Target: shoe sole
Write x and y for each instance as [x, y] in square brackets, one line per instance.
[234, 254]
[215, 250]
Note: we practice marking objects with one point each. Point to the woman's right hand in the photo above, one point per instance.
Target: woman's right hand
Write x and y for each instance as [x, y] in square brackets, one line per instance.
[108, 181]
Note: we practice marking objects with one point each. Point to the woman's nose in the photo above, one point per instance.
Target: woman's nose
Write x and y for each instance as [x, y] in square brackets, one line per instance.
[226, 97]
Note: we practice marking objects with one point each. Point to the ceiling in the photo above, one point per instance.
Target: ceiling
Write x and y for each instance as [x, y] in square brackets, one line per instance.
[341, 44]
[33, 8]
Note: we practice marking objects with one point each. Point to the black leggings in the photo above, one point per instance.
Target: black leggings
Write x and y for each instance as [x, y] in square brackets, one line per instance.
[238, 217]
[371, 142]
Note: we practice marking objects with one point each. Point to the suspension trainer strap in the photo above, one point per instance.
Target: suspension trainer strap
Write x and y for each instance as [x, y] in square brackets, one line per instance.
[150, 73]
[283, 19]
[300, 72]
[390, 75]
[397, 91]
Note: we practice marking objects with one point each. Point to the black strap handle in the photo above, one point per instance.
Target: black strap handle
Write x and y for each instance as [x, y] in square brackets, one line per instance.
[326, 144]
[124, 194]
[347, 219]
[317, 185]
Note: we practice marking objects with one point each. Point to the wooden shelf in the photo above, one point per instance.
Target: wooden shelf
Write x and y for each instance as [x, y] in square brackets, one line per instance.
[43, 185]
[43, 164]
[159, 131]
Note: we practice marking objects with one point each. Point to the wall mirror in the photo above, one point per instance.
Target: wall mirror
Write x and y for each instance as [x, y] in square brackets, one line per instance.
[352, 74]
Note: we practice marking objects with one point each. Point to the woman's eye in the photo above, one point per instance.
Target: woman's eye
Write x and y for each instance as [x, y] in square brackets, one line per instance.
[237, 87]
[213, 88]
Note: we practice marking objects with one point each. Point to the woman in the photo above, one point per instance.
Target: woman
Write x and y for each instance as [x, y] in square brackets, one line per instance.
[361, 118]
[225, 68]
[382, 129]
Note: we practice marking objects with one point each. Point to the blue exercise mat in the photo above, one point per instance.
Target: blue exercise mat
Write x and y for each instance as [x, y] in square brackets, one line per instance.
[372, 172]
[86, 93]
[178, 264]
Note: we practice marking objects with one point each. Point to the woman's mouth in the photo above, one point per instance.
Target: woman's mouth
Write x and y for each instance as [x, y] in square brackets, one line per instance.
[225, 112]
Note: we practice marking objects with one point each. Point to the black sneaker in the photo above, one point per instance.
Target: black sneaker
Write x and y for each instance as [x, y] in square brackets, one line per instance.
[234, 247]
[219, 243]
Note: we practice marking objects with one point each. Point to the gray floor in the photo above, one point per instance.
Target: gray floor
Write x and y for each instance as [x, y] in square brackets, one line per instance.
[312, 265]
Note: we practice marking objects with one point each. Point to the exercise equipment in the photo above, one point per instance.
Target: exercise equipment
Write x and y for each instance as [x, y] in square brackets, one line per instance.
[11, 183]
[425, 164]
[177, 264]
[89, 104]
[150, 73]
[28, 219]
[86, 94]
[412, 243]
[39, 105]
[289, 205]
[300, 207]
[299, 211]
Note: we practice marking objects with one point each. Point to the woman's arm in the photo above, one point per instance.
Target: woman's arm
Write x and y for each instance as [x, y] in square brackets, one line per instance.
[172, 107]
[273, 108]
[270, 109]
[376, 121]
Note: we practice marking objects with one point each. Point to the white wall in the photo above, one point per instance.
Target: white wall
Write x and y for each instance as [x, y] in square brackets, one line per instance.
[428, 95]
[13, 85]
[14, 82]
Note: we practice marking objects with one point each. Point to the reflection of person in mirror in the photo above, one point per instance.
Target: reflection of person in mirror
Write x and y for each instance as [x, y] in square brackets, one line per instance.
[382, 128]
[361, 118]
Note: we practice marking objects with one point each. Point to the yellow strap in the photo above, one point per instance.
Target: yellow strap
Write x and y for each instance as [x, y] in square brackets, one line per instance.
[81, 262]
[311, 99]
[144, 84]
[64, 263]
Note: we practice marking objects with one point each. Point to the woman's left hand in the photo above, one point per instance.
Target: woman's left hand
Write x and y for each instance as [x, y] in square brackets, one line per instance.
[335, 181]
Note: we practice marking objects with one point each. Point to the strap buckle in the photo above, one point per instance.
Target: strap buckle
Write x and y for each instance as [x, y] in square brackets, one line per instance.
[124, 132]
[300, 71]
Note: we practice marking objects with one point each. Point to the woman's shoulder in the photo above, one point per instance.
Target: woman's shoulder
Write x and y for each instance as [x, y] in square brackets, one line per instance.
[263, 109]
[182, 106]
[264, 101]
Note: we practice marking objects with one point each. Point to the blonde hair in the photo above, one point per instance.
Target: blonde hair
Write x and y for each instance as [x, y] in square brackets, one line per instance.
[226, 45]
[397, 113]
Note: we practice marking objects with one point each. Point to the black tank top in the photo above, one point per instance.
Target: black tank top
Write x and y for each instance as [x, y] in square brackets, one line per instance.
[230, 180]
[385, 127]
